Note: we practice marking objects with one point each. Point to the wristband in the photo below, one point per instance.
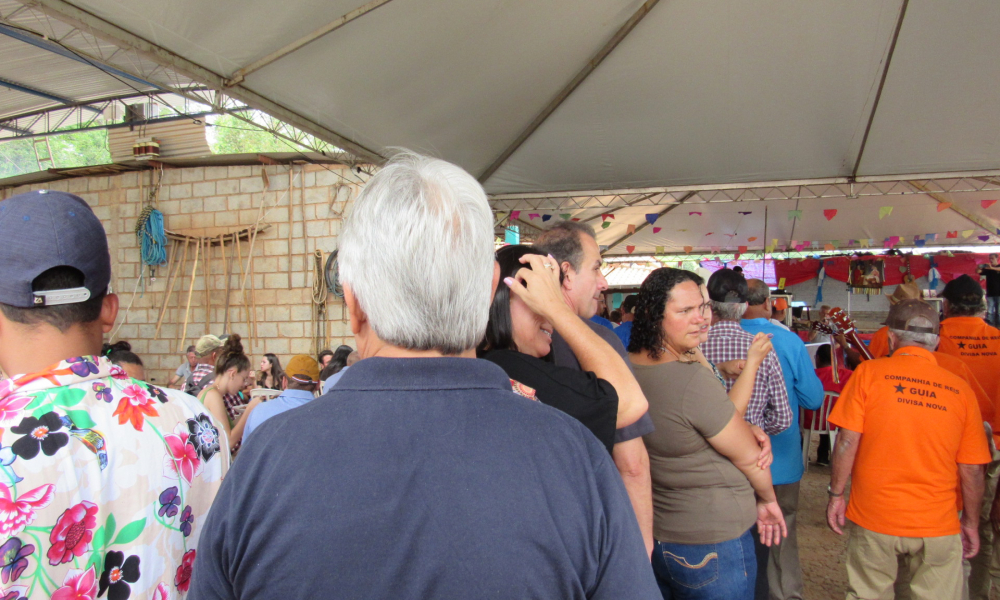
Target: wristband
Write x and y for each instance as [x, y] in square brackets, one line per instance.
[829, 492]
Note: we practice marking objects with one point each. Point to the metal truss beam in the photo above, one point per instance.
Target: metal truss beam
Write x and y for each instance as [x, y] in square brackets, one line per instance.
[107, 31]
[20, 87]
[646, 224]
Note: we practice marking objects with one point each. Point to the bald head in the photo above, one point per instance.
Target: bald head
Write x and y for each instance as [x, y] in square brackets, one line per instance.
[758, 306]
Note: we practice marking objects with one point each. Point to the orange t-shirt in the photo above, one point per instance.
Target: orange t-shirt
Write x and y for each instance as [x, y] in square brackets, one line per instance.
[957, 366]
[978, 345]
[918, 422]
[879, 346]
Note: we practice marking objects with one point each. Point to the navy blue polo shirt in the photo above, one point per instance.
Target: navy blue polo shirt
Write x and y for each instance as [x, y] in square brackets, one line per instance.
[422, 478]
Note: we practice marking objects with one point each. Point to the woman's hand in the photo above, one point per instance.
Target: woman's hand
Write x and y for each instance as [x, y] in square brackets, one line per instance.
[770, 523]
[766, 457]
[760, 347]
[731, 369]
[538, 287]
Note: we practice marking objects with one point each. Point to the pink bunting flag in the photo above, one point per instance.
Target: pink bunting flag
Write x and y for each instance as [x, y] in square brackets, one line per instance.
[715, 248]
[987, 203]
[694, 212]
[657, 229]
[830, 213]
[533, 216]
[515, 215]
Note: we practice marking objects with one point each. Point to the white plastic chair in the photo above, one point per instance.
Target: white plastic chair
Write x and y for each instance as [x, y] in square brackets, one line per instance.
[817, 422]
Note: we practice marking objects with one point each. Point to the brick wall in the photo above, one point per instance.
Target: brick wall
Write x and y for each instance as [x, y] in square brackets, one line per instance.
[209, 201]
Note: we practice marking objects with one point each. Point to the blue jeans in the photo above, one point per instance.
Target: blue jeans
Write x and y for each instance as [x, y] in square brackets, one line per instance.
[723, 571]
[993, 310]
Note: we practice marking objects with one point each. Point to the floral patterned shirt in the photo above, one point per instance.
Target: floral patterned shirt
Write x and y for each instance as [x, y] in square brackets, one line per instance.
[104, 484]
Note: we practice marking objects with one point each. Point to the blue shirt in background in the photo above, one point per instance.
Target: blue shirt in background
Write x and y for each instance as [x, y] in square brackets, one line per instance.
[804, 389]
[288, 400]
[333, 379]
[602, 321]
[624, 333]
[423, 478]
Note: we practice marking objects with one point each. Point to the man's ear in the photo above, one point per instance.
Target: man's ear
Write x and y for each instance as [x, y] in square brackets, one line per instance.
[109, 312]
[569, 275]
[358, 316]
[496, 279]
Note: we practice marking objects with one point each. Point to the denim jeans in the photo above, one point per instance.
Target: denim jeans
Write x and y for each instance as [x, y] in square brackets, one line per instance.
[723, 571]
[993, 310]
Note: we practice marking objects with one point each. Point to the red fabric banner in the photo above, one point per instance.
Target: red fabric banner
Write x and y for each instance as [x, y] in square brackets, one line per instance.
[797, 271]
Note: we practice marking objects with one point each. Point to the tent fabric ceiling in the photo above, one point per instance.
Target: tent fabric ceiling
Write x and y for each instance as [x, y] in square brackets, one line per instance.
[700, 91]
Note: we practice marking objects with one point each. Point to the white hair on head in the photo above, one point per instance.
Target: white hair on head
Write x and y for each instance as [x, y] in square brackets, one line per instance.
[417, 252]
[729, 311]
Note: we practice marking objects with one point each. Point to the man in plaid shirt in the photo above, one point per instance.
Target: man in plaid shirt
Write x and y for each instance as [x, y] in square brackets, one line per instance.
[727, 340]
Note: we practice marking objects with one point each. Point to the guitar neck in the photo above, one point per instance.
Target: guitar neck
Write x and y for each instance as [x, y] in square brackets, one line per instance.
[852, 338]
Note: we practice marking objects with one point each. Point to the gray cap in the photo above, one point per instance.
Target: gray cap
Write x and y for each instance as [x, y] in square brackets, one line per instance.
[45, 229]
[913, 315]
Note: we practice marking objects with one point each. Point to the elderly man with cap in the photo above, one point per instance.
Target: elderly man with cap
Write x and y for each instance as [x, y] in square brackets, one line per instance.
[784, 572]
[909, 431]
[300, 381]
[779, 307]
[84, 446]
[421, 474]
[908, 290]
[206, 350]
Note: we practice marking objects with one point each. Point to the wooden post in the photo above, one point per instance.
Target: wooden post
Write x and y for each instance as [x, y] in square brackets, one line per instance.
[291, 192]
[228, 268]
[171, 283]
[187, 311]
[207, 260]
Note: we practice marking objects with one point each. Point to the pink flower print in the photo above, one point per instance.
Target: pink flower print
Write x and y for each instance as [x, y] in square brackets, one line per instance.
[78, 585]
[182, 455]
[134, 406]
[72, 533]
[117, 372]
[10, 407]
[182, 578]
[16, 514]
[161, 592]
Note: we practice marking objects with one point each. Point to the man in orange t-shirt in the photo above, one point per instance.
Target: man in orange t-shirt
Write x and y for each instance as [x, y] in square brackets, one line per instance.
[909, 432]
[964, 334]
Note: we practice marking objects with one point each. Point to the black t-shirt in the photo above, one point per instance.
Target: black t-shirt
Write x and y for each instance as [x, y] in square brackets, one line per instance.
[580, 394]
[992, 281]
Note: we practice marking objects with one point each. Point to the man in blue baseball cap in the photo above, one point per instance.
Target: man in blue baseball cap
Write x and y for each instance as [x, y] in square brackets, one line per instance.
[107, 476]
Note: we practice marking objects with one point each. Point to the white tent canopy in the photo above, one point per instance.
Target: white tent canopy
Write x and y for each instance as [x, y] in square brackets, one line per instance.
[690, 91]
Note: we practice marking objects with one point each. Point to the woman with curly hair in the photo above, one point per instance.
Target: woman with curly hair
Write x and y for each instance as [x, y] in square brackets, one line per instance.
[709, 489]
[527, 307]
[232, 369]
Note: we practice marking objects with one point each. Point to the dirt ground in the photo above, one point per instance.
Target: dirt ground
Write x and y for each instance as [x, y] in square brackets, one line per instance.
[821, 551]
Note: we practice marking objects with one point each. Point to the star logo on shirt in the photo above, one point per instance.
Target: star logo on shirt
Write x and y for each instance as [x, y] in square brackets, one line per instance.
[961, 344]
[900, 388]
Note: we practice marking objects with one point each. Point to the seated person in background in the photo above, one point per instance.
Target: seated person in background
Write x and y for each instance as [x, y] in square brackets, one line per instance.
[271, 374]
[231, 372]
[120, 353]
[824, 370]
[207, 351]
[184, 371]
[330, 379]
[604, 395]
[300, 381]
[324, 358]
[616, 317]
[779, 308]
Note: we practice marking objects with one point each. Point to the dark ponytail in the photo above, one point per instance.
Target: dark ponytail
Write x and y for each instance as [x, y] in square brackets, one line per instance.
[121, 352]
[231, 355]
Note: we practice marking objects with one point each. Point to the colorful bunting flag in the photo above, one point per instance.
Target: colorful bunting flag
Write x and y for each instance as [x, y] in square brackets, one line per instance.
[715, 248]
[606, 216]
[515, 215]
[984, 238]
[688, 249]
[884, 212]
[967, 233]
[651, 218]
[605, 225]
[794, 214]
[830, 213]
[742, 249]
[828, 246]
[657, 229]
[736, 256]
[746, 212]
[630, 249]
[575, 219]
[987, 203]
[752, 239]
[546, 218]
[951, 235]
[533, 216]
[769, 249]
[694, 212]
[919, 243]
[865, 243]
[565, 216]
[659, 249]
[943, 206]
[709, 233]
[630, 229]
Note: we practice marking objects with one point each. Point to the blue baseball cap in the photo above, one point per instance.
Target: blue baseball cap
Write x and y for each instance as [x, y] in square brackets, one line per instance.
[44, 229]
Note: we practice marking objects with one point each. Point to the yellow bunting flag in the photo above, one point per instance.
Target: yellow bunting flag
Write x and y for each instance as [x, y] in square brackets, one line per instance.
[967, 233]
[884, 212]
[864, 243]
[781, 283]
[659, 249]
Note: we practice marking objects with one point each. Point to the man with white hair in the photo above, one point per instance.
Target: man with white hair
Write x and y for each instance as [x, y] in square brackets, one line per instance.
[421, 474]
[909, 432]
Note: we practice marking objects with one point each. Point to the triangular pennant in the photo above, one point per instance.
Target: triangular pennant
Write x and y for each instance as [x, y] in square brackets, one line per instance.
[709, 233]
[746, 212]
[984, 238]
[900, 240]
[575, 219]
[774, 242]
[967, 233]
[828, 246]
[919, 243]
[565, 216]
[736, 256]
[830, 213]
[951, 235]
[630, 229]
[659, 249]
[688, 249]
[865, 243]
[694, 212]
[752, 239]
[715, 248]
[769, 249]
[884, 212]
[533, 216]
[657, 229]
[606, 216]
[742, 249]
[630, 249]
[605, 225]
[943, 206]
[546, 218]
[651, 218]
[794, 214]
[987, 203]
[515, 215]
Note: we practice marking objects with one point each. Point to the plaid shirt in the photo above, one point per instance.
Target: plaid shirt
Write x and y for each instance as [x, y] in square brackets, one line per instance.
[768, 407]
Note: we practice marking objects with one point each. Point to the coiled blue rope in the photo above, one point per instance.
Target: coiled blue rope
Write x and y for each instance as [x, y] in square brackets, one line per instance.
[152, 237]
